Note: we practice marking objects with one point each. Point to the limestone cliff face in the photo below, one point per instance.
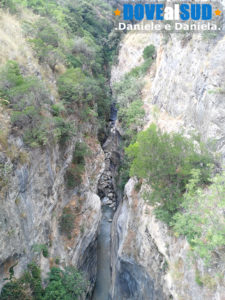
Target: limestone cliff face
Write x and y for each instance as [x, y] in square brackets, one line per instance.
[33, 204]
[150, 262]
[186, 83]
[35, 192]
[184, 91]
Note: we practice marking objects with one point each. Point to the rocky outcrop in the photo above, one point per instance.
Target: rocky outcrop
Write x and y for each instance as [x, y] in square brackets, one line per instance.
[109, 200]
[184, 91]
[150, 262]
[107, 184]
[138, 267]
[33, 204]
[34, 192]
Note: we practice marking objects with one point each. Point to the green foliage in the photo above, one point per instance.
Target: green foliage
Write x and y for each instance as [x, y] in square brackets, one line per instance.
[41, 248]
[55, 289]
[166, 162]
[128, 95]
[198, 278]
[63, 130]
[11, 5]
[19, 90]
[13, 290]
[47, 34]
[73, 175]
[202, 220]
[132, 117]
[142, 69]
[74, 282]
[68, 284]
[75, 87]
[28, 100]
[209, 35]
[28, 287]
[65, 285]
[66, 222]
[73, 33]
[81, 150]
[123, 173]
[47, 41]
[148, 52]
[57, 109]
[71, 85]
[33, 277]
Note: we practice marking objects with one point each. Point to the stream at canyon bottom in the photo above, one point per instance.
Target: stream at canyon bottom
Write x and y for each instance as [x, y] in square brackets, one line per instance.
[107, 193]
[103, 257]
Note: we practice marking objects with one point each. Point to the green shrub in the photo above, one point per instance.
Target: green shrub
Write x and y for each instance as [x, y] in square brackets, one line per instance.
[148, 52]
[124, 175]
[132, 117]
[68, 284]
[46, 42]
[75, 87]
[55, 288]
[70, 85]
[130, 111]
[57, 109]
[41, 248]
[33, 277]
[142, 69]
[19, 90]
[202, 220]
[65, 284]
[81, 150]
[74, 282]
[66, 222]
[29, 116]
[28, 100]
[13, 290]
[47, 34]
[11, 5]
[73, 175]
[166, 162]
[63, 130]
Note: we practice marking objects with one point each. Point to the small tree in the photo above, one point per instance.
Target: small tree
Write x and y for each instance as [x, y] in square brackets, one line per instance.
[149, 51]
[166, 162]
[66, 222]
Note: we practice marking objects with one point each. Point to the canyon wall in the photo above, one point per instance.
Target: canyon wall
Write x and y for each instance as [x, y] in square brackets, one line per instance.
[36, 193]
[183, 92]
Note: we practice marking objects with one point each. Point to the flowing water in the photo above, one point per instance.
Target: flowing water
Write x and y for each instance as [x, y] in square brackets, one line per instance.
[108, 197]
[104, 251]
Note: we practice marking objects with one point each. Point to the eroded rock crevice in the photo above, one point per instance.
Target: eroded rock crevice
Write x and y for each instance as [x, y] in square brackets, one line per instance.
[107, 192]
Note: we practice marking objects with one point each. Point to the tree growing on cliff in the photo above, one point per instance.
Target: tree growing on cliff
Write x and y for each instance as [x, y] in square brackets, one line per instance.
[166, 162]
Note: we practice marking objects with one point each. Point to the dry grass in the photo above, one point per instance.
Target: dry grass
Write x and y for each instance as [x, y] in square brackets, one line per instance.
[177, 270]
[14, 46]
[12, 43]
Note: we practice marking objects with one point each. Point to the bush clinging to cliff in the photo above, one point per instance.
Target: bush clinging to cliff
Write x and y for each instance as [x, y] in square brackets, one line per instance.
[149, 51]
[166, 162]
[68, 284]
[202, 219]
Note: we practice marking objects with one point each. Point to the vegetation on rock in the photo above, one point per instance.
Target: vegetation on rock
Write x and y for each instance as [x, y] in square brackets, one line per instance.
[166, 161]
[68, 284]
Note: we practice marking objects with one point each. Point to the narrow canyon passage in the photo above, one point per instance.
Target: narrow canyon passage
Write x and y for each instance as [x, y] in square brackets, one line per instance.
[107, 193]
[103, 282]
